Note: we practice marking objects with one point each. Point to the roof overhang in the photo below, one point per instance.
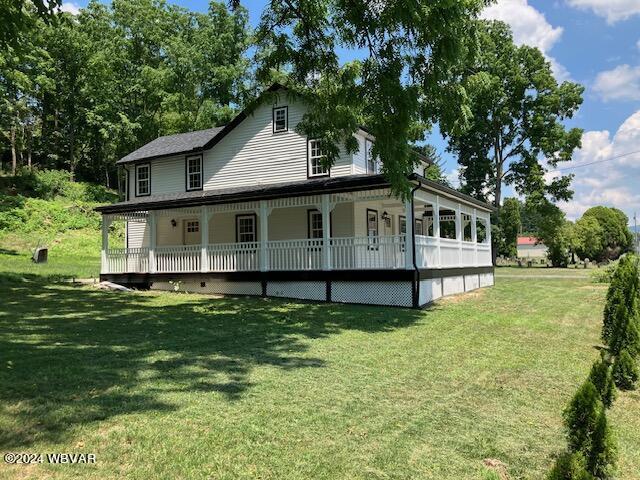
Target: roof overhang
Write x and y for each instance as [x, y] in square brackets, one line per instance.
[350, 183]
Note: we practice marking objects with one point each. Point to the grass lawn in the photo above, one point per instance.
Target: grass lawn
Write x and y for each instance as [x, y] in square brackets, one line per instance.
[162, 385]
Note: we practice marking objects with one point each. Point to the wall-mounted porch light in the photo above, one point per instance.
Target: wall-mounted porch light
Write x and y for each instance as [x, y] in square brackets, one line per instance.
[174, 223]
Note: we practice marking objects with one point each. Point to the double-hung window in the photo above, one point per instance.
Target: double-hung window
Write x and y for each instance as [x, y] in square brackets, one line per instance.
[194, 173]
[143, 180]
[315, 224]
[316, 168]
[280, 120]
[246, 228]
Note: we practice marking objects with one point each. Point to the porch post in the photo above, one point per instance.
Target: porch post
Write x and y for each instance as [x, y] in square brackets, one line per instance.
[326, 233]
[106, 222]
[151, 220]
[264, 235]
[436, 229]
[459, 232]
[408, 243]
[204, 239]
[474, 236]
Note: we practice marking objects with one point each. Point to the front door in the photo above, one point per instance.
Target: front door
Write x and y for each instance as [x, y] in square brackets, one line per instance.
[191, 232]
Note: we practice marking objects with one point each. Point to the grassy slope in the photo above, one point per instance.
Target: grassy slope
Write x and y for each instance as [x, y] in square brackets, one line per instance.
[185, 386]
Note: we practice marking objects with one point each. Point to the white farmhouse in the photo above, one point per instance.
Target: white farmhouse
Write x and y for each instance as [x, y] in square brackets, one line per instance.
[249, 209]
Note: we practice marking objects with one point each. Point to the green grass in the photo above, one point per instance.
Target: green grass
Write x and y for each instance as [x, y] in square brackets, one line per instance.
[539, 271]
[72, 254]
[162, 385]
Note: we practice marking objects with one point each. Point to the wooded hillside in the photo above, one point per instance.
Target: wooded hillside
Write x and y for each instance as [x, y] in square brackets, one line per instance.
[79, 92]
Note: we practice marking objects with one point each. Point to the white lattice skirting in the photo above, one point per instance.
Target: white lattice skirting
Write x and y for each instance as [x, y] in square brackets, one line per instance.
[393, 293]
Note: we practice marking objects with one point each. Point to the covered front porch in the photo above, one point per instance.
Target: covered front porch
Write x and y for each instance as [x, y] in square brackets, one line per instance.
[346, 231]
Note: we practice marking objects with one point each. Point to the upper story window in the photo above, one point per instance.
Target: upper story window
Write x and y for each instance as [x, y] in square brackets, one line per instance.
[143, 180]
[372, 162]
[316, 158]
[246, 228]
[194, 173]
[280, 119]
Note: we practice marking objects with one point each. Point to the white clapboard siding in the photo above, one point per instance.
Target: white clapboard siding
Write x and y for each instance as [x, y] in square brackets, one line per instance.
[251, 154]
[359, 160]
[137, 235]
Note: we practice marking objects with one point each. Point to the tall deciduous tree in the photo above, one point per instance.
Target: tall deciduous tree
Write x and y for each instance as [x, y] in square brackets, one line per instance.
[507, 229]
[517, 109]
[401, 84]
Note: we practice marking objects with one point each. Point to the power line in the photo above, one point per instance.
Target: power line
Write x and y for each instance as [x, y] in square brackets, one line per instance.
[594, 162]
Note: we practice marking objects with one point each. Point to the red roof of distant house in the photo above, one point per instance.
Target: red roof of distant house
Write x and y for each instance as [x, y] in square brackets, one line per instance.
[527, 240]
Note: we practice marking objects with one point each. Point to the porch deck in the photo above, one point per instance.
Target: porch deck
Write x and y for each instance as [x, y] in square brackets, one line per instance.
[338, 253]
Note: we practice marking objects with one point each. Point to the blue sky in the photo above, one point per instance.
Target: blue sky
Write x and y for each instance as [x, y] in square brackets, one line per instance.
[593, 42]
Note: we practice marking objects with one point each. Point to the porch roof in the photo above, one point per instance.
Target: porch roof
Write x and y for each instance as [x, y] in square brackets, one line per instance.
[314, 186]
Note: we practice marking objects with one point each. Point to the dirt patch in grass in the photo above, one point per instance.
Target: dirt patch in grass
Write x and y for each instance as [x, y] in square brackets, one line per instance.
[463, 297]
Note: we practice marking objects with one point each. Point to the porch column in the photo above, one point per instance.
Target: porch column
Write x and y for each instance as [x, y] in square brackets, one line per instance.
[326, 232]
[408, 244]
[436, 228]
[106, 222]
[264, 235]
[204, 239]
[474, 236]
[459, 232]
[151, 220]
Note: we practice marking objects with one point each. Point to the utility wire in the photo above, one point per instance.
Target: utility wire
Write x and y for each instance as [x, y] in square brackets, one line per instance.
[594, 162]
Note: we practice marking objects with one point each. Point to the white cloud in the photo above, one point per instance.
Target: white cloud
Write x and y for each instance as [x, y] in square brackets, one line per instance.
[612, 183]
[529, 27]
[612, 10]
[70, 7]
[453, 178]
[621, 83]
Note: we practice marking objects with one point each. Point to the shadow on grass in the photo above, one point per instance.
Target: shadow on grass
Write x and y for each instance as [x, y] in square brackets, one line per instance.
[71, 355]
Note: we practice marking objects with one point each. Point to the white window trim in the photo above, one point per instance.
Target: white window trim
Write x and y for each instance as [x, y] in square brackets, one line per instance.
[286, 119]
[255, 228]
[310, 159]
[312, 214]
[188, 174]
[148, 179]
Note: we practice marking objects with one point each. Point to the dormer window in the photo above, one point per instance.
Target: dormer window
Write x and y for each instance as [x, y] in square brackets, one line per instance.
[316, 156]
[194, 173]
[280, 119]
[143, 180]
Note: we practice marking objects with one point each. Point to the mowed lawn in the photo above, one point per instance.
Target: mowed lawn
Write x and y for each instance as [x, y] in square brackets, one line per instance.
[188, 386]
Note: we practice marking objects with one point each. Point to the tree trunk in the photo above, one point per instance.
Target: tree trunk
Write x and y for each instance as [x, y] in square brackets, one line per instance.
[14, 158]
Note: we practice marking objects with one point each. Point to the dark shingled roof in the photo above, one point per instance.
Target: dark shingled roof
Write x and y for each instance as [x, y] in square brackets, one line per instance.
[173, 145]
[314, 186]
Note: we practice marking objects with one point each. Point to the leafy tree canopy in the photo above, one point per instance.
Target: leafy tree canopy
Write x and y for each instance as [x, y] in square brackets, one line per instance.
[403, 83]
[517, 109]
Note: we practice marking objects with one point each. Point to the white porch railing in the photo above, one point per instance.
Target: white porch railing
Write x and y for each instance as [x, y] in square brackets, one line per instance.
[345, 253]
[178, 259]
[233, 257]
[349, 253]
[120, 260]
[294, 254]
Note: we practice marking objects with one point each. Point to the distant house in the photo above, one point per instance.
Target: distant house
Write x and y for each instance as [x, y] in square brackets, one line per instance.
[531, 247]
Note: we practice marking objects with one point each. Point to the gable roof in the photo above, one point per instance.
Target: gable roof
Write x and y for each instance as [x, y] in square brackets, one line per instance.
[173, 145]
[528, 241]
[190, 142]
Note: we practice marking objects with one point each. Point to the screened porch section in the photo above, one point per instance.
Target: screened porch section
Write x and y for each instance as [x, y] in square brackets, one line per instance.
[364, 230]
